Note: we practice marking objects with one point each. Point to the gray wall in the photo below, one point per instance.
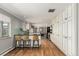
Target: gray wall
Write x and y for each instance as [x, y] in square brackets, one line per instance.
[7, 43]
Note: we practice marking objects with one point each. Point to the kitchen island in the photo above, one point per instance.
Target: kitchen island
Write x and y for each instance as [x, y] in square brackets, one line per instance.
[31, 40]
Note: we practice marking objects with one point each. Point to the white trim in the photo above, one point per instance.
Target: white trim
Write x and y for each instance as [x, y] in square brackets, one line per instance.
[7, 51]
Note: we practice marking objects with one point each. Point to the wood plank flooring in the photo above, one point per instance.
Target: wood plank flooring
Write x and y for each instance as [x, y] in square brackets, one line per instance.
[46, 49]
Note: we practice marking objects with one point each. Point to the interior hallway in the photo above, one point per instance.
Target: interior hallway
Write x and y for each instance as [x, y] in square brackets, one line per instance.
[27, 23]
[47, 49]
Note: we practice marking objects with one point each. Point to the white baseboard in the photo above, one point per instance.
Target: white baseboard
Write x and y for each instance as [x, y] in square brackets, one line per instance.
[7, 51]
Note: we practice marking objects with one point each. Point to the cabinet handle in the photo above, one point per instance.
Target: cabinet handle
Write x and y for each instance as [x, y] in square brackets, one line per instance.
[66, 37]
[65, 18]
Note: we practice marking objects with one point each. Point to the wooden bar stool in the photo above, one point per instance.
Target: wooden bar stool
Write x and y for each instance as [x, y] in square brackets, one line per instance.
[35, 41]
[26, 41]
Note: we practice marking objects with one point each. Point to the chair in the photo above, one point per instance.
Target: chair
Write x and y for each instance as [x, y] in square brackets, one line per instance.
[18, 42]
[35, 41]
[26, 41]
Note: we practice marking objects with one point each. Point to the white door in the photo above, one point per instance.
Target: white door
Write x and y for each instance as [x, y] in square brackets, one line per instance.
[60, 35]
[70, 30]
[65, 37]
[69, 38]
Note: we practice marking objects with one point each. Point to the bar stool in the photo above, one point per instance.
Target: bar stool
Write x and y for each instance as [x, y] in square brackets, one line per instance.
[26, 41]
[17, 41]
[35, 41]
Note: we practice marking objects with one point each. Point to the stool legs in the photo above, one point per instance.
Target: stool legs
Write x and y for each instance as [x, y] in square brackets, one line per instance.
[35, 43]
[27, 43]
[19, 43]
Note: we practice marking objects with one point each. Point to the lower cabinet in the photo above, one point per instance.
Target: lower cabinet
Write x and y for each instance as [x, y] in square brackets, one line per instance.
[65, 38]
[70, 37]
[69, 47]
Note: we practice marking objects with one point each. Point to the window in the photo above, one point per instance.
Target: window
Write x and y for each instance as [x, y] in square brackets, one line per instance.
[5, 26]
[4, 29]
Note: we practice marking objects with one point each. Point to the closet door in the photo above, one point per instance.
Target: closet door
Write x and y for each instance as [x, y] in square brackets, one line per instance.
[69, 38]
[70, 30]
[65, 37]
[58, 44]
[60, 35]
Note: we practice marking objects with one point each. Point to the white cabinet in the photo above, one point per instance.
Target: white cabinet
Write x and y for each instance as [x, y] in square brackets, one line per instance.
[60, 29]
[70, 38]
[65, 38]
[65, 15]
[60, 35]
[64, 31]
[70, 11]
[67, 31]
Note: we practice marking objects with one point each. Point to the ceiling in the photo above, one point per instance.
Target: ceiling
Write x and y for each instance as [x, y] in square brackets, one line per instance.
[34, 12]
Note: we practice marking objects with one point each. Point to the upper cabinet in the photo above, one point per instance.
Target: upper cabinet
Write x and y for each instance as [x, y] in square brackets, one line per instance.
[61, 18]
[65, 15]
[69, 11]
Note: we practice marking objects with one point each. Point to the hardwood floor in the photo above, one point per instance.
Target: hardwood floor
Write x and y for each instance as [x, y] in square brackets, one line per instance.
[46, 49]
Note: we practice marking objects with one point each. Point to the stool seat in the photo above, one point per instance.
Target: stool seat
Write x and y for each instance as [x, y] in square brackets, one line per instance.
[26, 41]
[18, 41]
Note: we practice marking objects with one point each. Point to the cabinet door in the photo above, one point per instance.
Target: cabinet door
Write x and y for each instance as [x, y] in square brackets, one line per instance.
[70, 11]
[65, 15]
[60, 35]
[69, 38]
[65, 38]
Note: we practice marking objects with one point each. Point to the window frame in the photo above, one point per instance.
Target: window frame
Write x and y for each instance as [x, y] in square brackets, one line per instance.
[2, 22]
